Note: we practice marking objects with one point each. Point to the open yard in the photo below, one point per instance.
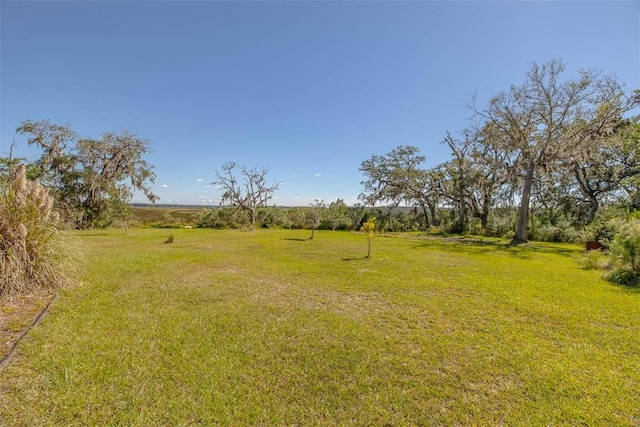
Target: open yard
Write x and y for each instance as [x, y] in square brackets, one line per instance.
[269, 328]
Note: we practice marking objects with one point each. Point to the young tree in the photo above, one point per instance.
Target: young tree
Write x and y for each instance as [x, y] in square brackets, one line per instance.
[315, 213]
[369, 230]
[547, 118]
[252, 193]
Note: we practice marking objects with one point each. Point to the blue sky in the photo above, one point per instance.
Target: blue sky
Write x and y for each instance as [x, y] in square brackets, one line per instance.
[306, 89]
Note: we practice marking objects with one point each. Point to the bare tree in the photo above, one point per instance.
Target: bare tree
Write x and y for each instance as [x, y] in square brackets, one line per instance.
[250, 194]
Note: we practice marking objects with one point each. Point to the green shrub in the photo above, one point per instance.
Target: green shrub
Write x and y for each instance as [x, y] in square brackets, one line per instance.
[556, 229]
[605, 225]
[594, 259]
[621, 276]
[33, 255]
[626, 246]
[502, 223]
[270, 217]
[226, 217]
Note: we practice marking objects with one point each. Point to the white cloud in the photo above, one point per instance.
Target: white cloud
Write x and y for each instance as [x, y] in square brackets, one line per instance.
[164, 186]
[318, 174]
[199, 180]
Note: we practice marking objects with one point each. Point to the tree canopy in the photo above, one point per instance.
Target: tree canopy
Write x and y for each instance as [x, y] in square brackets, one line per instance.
[553, 142]
[91, 179]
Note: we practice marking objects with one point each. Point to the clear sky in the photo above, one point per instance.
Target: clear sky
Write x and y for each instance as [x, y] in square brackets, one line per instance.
[307, 89]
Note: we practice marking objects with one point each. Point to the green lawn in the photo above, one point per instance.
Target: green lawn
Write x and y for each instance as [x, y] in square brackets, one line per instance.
[269, 328]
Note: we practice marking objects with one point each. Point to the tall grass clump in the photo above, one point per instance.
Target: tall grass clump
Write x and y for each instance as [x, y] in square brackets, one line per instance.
[33, 256]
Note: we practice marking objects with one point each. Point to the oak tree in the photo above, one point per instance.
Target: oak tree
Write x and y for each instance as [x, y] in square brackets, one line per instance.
[548, 118]
[91, 179]
[396, 177]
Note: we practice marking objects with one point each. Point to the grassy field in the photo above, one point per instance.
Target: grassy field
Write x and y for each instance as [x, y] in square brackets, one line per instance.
[269, 328]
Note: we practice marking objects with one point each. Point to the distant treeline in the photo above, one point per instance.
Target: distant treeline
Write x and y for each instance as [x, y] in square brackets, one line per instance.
[547, 225]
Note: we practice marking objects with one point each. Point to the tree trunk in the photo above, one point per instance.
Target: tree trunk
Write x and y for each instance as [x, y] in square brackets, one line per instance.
[586, 189]
[484, 217]
[426, 216]
[434, 218]
[463, 213]
[522, 232]
[252, 215]
[593, 207]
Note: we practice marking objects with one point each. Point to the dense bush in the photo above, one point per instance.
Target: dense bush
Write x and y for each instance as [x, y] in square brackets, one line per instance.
[621, 276]
[33, 255]
[299, 217]
[404, 221]
[272, 217]
[226, 217]
[604, 227]
[626, 246]
[554, 229]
